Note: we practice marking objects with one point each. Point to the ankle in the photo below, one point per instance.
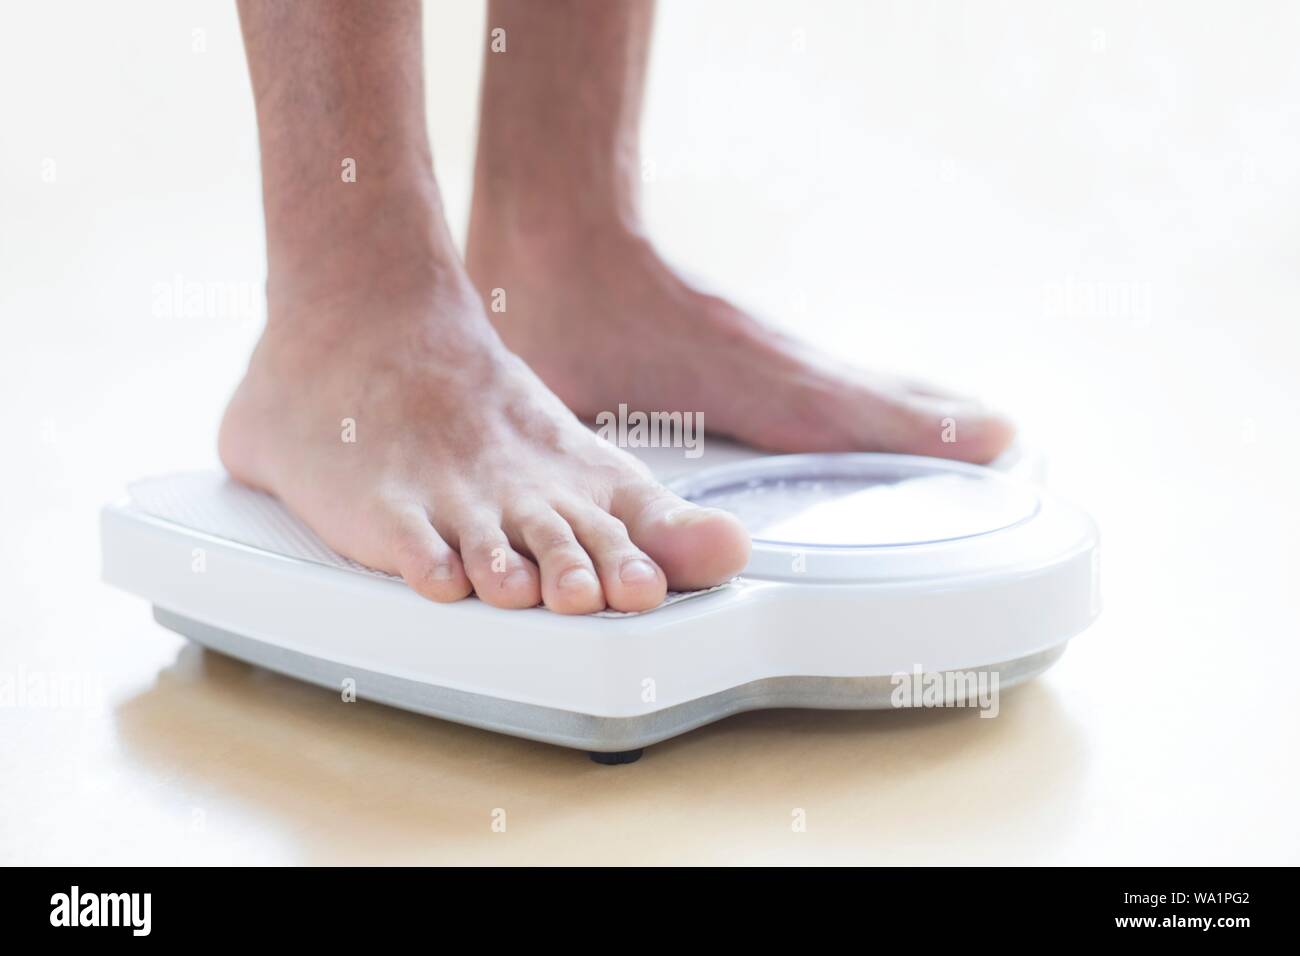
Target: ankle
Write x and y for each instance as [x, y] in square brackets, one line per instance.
[331, 233]
[542, 233]
[363, 252]
[536, 210]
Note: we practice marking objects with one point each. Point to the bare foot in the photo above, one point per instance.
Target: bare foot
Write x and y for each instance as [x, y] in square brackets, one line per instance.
[602, 320]
[465, 472]
[380, 405]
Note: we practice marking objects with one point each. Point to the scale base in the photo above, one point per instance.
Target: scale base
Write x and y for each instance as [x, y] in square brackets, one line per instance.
[609, 740]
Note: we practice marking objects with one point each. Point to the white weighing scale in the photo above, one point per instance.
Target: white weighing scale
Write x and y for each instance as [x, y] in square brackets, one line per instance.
[866, 569]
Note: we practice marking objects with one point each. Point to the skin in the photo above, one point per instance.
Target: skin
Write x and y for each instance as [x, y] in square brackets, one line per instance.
[469, 471]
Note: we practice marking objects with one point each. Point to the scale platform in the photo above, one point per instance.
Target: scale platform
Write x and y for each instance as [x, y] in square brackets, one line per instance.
[868, 571]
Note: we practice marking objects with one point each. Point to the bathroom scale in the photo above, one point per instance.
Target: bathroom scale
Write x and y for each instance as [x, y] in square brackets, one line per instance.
[867, 572]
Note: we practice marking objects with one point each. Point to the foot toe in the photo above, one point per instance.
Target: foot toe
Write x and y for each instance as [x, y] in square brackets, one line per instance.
[402, 541]
[501, 575]
[696, 547]
[568, 580]
[432, 568]
[951, 427]
[629, 578]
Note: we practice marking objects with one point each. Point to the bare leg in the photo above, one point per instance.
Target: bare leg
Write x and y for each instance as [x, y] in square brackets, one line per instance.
[556, 223]
[380, 405]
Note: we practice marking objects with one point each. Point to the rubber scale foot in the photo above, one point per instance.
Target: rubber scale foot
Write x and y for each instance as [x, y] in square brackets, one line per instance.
[622, 756]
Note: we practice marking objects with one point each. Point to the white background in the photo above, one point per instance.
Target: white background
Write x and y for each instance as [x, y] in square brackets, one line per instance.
[1086, 214]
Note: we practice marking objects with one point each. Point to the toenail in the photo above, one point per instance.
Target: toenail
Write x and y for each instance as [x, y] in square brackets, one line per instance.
[516, 579]
[636, 570]
[576, 579]
[688, 515]
[443, 572]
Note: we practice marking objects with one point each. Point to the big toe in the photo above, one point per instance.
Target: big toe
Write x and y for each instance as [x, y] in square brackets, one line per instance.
[696, 547]
[948, 426]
